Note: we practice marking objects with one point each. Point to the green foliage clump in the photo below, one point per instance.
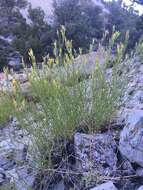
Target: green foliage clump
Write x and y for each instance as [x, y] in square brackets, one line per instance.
[61, 101]
[6, 108]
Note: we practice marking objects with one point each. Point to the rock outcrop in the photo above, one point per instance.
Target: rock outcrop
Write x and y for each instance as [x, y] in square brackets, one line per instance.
[131, 139]
[141, 188]
[14, 165]
[96, 153]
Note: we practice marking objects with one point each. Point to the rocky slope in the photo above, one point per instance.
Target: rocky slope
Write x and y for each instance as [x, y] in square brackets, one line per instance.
[114, 156]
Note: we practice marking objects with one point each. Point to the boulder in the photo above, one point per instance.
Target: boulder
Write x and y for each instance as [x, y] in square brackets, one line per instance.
[105, 186]
[14, 161]
[97, 152]
[131, 138]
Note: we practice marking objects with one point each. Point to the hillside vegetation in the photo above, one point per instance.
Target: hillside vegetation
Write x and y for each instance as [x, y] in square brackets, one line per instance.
[65, 99]
[85, 24]
[71, 96]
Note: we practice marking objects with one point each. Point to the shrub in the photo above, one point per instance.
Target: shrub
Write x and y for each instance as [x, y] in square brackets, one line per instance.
[64, 97]
[62, 102]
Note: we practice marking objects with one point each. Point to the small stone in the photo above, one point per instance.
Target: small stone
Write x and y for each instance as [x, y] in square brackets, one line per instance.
[139, 172]
[59, 186]
[105, 186]
[127, 167]
[141, 188]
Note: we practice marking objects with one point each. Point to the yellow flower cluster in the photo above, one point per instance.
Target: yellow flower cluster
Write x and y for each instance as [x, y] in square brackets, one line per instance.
[56, 84]
[14, 84]
[14, 103]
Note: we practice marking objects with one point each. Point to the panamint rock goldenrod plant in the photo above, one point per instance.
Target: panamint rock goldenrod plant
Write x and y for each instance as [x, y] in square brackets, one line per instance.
[63, 97]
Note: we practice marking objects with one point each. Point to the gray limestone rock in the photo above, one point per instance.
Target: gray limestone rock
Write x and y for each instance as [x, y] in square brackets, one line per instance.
[131, 138]
[97, 152]
[141, 188]
[105, 186]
